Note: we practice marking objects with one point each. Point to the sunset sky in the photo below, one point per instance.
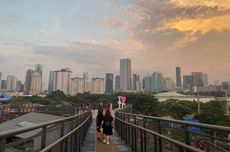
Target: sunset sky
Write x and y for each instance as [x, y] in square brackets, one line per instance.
[92, 35]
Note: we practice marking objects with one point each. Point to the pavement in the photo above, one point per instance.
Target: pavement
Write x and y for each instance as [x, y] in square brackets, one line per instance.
[92, 145]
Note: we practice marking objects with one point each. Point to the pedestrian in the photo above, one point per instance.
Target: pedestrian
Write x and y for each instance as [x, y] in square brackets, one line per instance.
[107, 127]
[99, 122]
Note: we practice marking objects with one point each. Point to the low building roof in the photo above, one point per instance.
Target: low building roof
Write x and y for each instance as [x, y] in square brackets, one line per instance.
[26, 120]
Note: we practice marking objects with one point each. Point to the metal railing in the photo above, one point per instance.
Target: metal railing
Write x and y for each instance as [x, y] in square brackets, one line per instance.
[62, 135]
[146, 133]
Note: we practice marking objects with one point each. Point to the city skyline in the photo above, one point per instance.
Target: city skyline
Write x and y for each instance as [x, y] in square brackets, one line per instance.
[86, 36]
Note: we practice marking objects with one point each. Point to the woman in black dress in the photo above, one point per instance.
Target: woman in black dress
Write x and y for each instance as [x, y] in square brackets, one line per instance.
[107, 127]
[99, 121]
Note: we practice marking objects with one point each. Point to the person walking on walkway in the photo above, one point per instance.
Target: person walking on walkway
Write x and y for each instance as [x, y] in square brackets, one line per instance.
[98, 122]
[107, 127]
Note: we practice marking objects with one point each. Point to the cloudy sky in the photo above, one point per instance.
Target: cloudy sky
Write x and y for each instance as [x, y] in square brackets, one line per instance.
[92, 35]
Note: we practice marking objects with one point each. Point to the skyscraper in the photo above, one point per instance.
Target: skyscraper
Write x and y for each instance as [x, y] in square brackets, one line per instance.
[117, 83]
[28, 81]
[0, 80]
[125, 75]
[4, 84]
[197, 78]
[19, 86]
[109, 82]
[36, 83]
[157, 82]
[97, 86]
[86, 81]
[38, 69]
[187, 82]
[178, 77]
[205, 79]
[60, 80]
[136, 82]
[77, 85]
[11, 83]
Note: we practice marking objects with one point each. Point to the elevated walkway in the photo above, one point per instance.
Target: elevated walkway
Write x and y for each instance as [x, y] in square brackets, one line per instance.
[92, 145]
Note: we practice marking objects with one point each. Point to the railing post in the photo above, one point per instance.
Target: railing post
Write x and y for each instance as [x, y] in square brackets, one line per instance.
[159, 140]
[141, 134]
[43, 142]
[155, 143]
[145, 144]
[135, 134]
[187, 135]
[62, 134]
[2, 144]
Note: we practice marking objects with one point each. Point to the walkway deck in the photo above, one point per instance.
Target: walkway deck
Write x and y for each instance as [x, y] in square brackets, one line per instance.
[92, 145]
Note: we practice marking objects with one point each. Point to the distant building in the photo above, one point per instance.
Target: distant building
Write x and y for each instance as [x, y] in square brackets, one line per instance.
[11, 83]
[178, 77]
[157, 82]
[38, 69]
[109, 82]
[117, 83]
[97, 86]
[36, 87]
[77, 85]
[19, 86]
[187, 82]
[197, 78]
[147, 84]
[28, 81]
[86, 81]
[205, 79]
[136, 83]
[169, 84]
[0, 80]
[125, 75]
[60, 80]
[4, 84]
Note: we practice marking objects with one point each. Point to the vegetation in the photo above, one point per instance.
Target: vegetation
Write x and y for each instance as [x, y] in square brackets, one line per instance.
[211, 112]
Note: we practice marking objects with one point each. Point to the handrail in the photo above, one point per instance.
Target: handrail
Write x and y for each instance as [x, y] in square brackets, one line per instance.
[9, 133]
[49, 147]
[179, 144]
[77, 121]
[127, 125]
[195, 124]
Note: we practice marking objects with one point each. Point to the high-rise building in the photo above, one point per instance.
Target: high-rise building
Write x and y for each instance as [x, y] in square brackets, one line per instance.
[60, 80]
[97, 86]
[86, 81]
[147, 84]
[125, 75]
[28, 81]
[187, 82]
[38, 69]
[36, 87]
[11, 83]
[157, 82]
[4, 84]
[178, 77]
[77, 85]
[19, 86]
[117, 83]
[205, 79]
[197, 78]
[169, 84]
[136, 83]
[109, 82]
[0, 80]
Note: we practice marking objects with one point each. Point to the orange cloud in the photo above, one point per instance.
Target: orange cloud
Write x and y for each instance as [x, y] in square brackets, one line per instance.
[220, 3]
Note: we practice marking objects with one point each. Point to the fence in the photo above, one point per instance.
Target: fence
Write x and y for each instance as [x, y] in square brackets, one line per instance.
[146, 133]
[66, 134]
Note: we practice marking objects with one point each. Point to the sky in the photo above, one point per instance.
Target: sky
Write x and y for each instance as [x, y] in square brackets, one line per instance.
[92, 36]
